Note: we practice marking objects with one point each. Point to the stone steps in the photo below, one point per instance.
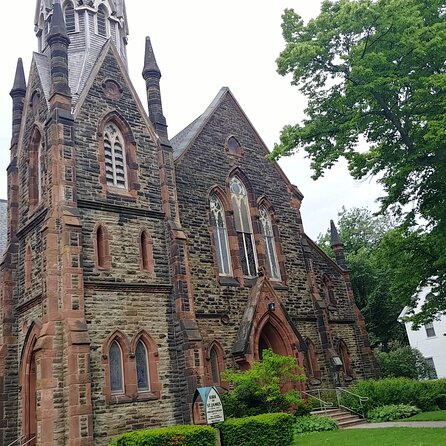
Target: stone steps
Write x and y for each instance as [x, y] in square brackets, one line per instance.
[343, 417]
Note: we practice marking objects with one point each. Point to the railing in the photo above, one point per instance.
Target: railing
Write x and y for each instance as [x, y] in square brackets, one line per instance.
[361, 399]
[31, 441]
[323, 405]
[19, 441]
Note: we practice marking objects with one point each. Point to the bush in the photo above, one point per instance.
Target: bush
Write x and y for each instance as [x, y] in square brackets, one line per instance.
[273, 429]
[392, 412]
[387, 391]
[440, 401]
[169, 436]
[314, 423]
[303, 408]
[260, 389]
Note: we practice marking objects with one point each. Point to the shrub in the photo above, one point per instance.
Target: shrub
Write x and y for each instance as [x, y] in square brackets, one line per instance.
[391, 412]
[260, 389]
[440, 401]
[314, 423]
[387, 391]
[169, 436]
[273, 429]
[303, 408]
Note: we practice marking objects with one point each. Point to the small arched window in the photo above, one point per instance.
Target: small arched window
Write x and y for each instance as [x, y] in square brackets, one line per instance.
[272, 265]
[313, 366]
[345, 358]
[101, 247]
[146, 252]
[215, 367]
[218, 222]
[35, 175]
[142, 367]
[101, 18]
[28, 266]
[115, 171]
[116, 368]
[328, 291]
[243, 226]
[70, 19]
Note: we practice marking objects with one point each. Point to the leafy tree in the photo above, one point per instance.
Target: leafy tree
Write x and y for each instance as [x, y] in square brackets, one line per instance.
[261, 388]
[374, 74]
[362, 234]
[403, 361]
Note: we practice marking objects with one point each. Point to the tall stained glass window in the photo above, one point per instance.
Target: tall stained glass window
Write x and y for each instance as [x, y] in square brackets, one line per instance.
[116, 372]
[142, 366]
[272, 265]
[114, 157]
[218, 222]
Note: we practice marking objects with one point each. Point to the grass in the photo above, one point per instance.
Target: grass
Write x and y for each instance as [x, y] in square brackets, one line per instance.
[398, 436]
[438, 415]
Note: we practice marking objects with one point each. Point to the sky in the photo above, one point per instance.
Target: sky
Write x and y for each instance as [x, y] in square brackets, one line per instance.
[201, 46]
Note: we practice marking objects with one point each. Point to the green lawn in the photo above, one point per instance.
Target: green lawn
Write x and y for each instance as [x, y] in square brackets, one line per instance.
[438, 415]
[398, 436]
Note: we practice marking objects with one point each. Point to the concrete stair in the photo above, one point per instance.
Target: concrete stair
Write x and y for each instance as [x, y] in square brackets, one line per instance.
[343, 417]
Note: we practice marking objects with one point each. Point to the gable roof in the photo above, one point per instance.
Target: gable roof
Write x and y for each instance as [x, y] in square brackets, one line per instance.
[186, 137]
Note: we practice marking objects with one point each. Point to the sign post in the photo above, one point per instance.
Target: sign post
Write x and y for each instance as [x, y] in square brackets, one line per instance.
[213, 408]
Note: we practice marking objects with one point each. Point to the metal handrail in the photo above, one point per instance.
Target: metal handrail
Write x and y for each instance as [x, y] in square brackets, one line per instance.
[324, 405]
[360, 398]
[15, 441]
[29, 441]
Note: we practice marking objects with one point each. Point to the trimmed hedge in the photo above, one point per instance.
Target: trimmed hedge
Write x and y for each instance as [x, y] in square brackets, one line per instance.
[169, 436]
[270, 429]
[314, 423]
[387, 391]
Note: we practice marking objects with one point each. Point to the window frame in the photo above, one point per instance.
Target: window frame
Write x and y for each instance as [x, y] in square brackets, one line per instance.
[121, 390]
[430, 330]
[66, 5]
[270, 257]
[104, 9]
[102, 258]
[237, 200]
[113, 144]
[147, 366]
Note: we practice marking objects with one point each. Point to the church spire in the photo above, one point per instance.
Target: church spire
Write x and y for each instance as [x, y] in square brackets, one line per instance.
[17, 94]
[337, 246]
[152, 75]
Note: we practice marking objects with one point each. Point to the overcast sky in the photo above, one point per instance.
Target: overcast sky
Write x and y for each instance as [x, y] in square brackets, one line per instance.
[201, 46]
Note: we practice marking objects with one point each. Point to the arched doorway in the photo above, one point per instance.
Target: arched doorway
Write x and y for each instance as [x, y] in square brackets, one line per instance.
[270, 338]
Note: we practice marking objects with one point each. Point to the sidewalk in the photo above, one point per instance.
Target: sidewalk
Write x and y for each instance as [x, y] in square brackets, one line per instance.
[399, 424]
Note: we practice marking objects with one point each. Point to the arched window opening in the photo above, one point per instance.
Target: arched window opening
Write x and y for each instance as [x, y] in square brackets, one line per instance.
[272, 265]
[39, 171]
[116, 369]
[35, 175]
[28, 266]
[70, 20]
[101, 247]
[328, 291]
[218, 222]
[243, 226]
[115, 171]
[146, 252]
[233, 147]
[215, 368]
[142, 367]
[102, 21]
[345, 358]
[313, 366]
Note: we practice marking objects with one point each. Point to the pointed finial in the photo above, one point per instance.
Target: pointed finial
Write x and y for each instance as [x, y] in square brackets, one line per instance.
[19, 87]
[335, 240]
[57, 26]
[150, 65]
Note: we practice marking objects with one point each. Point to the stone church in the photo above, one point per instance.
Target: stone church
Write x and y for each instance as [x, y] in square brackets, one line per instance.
[138, 267]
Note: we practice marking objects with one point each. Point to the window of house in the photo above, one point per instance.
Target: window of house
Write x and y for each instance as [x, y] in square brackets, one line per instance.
[115, 172]
[432, 373]
[142, 367]
[146, 252]
[243, 227]
[218, 222]
[102, 21]
[70, 20]
[272, 265]
[116, 369]
[430, 330]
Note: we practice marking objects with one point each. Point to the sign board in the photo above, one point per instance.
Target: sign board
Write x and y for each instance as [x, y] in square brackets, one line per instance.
[213, 408]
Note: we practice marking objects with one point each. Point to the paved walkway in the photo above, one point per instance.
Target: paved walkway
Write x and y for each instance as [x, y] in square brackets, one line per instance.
[399, 424]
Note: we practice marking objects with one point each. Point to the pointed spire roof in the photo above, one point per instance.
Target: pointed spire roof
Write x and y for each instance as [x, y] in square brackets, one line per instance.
[150, 65]
[335, 239]
[19, 79]
[57, 26]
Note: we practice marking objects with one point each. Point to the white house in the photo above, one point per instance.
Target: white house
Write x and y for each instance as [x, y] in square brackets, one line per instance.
[430, 339]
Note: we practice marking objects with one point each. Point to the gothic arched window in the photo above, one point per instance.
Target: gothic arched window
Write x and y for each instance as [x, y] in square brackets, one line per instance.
[328, 291]
[142, 367]
[345, 358]
[272, 265]
[101, 247]
[115, 172]
[214, 366]
[101, 18]
[243, 227]
[116, 368]
[70, 19]
[218, 222]
[35, 175]
[313, 366]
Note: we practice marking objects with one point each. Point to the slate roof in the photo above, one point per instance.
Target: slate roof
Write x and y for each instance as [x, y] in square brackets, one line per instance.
[183, 139]
[3, 228]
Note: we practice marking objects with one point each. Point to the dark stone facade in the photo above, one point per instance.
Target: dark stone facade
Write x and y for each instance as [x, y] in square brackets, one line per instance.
[73, 282]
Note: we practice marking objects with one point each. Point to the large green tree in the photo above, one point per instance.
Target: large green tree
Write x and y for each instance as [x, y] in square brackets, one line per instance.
[362, 234]
[374, 74]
